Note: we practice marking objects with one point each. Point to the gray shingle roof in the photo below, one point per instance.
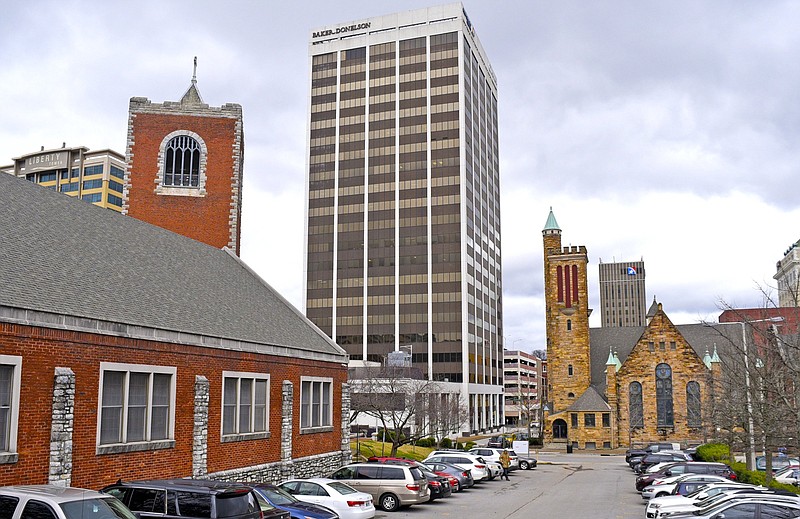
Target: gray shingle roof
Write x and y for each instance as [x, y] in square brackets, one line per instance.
[590, 400]
[62, 256]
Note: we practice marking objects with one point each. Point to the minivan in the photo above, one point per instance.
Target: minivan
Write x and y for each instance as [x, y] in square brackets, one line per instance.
[390, 485]
[193, 498]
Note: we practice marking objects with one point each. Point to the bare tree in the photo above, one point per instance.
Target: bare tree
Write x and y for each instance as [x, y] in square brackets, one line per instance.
[406, 406]
[760, 374]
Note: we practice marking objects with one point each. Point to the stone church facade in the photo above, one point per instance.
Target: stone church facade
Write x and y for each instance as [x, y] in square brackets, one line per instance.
[613, 387]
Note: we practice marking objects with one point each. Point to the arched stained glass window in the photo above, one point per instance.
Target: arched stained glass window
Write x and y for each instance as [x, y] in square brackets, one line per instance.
[182, 162]
[664, 395]
[694, 416]
[635, 410]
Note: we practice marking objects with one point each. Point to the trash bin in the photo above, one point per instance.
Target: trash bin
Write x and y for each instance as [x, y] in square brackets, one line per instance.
[569, 448]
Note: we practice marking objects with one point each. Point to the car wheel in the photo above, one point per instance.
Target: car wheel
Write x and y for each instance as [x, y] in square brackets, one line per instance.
[389, 502]
[661, 494]
[524, 465]
[457, 488]
[491, 475]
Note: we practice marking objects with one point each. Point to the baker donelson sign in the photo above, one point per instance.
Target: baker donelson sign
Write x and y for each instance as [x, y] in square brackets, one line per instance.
[342, 29]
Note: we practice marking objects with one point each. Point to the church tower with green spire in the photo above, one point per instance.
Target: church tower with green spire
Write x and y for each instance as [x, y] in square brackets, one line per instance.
[567, 318]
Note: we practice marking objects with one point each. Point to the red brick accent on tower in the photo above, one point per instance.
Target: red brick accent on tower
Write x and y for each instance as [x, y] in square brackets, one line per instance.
[211, 212]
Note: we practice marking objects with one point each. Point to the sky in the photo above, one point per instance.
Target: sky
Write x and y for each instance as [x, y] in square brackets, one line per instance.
[657, 131]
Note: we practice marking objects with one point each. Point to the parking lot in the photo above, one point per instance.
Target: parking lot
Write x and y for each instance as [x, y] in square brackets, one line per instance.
[567, 486]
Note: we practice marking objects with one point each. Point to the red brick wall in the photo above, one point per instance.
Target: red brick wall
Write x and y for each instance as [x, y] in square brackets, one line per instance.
[44, 349]
[205, 219]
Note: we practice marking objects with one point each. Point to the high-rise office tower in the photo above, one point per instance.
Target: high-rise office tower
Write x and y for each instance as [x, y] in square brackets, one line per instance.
[788, 276]
[622, 294]
[403, 210]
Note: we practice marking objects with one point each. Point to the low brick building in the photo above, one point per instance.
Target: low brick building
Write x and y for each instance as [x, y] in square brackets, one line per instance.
[128, 351]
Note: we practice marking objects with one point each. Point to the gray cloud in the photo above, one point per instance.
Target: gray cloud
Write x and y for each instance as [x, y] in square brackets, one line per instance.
[666, 130]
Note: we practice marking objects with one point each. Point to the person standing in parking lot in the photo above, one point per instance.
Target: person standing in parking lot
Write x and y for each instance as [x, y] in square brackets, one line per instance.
[505, 462]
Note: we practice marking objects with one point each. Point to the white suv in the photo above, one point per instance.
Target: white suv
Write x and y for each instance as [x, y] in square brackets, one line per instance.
[478, 466]
[52, 502]
[492, 454]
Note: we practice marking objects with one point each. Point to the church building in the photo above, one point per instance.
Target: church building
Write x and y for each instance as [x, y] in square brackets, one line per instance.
[611, 387]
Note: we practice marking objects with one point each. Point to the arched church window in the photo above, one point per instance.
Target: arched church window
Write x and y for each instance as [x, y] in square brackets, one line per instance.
[635, 410]
[182, 162]
[693, 408]
[664, 395]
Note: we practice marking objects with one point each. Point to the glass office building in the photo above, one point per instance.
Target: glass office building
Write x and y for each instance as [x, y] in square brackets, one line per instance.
[96, 177]
[403, 208]
[622, 294]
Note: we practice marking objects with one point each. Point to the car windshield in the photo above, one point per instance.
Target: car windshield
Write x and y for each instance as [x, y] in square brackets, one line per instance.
[342, 488]
[278, 496]
[98, 508]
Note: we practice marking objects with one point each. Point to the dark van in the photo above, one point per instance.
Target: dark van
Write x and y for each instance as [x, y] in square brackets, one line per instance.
[193, 499]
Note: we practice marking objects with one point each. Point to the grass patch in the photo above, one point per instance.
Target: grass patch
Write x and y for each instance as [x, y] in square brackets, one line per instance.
[366, 448]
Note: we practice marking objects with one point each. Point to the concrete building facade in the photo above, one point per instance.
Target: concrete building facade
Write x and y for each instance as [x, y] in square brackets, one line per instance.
[93, 176]
[623, 299]
[788, 276]
[524, 386]
[403, 208]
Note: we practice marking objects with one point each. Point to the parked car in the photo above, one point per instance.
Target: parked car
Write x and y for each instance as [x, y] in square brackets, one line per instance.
[346, 501]
[493, 454]
[788, 476]
[499, 442]
[390, 485]
[778, 463]
[439, 486]
[463, 475]
[476, 464]
[49, 501]
[279, 498]
[660, 457]
[653, 447]
[746, 504]
[687, 467]
[664, 506]
[526, 462]
[495, 469]
[193, 498]
[664, 486]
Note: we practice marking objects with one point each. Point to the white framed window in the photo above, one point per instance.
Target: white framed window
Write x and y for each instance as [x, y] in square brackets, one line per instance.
[245, 403]
[137, 404]
[182, 158]
[10, 375]
[316, 402]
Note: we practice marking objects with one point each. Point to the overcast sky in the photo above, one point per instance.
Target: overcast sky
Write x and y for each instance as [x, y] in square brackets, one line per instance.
[663, 131]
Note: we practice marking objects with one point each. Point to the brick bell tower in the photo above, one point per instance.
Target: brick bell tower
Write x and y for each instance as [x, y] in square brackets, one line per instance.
[185, 162]
[567, 318]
